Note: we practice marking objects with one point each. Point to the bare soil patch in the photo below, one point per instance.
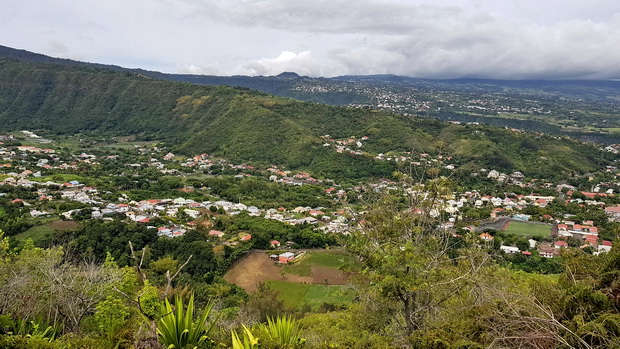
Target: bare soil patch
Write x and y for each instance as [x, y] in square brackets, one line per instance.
[63, 225]
[328, 276]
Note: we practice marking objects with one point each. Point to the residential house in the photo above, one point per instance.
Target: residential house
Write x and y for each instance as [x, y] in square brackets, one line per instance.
[605, 246]
[546, 253]
[216, 233]
[286, 257]
[510, 249]
[486, 237]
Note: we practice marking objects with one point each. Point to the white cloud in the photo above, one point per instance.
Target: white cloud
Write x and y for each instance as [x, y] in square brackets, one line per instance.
[302, 63]
[197, 69]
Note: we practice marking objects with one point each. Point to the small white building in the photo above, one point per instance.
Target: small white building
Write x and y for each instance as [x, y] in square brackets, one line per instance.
[510, 249]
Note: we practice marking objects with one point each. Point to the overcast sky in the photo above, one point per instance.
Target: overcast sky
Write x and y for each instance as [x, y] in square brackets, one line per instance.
[559, 39]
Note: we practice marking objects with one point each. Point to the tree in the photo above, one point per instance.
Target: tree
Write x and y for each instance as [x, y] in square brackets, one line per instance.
[39, 282]
[407, 262]
[264, 303]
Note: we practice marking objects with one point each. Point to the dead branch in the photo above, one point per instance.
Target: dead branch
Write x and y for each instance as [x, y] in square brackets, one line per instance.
[170, 278]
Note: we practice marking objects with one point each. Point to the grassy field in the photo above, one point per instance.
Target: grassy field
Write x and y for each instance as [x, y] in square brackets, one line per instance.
[2, 212]
[64, 177]
[35, 233]
[332, 259]
[528, 229]
[611, 129]
[48, 225]
[295, 294]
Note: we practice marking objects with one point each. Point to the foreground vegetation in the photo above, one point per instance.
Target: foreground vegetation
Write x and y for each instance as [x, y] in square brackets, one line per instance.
[415, 286]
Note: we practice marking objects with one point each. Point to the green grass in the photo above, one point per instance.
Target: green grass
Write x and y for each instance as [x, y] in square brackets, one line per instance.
[296, 295]
[61, 177]
[329, 259]
[299, 268]
[528, 229]
[129, 144]
[35, 233]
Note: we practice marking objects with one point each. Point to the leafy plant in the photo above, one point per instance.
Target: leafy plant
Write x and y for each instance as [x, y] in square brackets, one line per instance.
[248, 342]
[37, 329]
[283, 331]
[177, 328]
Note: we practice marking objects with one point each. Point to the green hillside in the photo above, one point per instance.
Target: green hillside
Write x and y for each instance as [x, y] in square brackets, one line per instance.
[246, 125]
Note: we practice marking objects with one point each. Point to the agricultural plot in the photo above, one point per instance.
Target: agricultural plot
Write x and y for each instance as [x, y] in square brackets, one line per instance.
[317, 268]
[528, 229]
[296, 294]
[315, 260]
[40, 231]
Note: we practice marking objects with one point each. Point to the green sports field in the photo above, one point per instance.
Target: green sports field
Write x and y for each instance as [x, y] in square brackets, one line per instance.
[528, 229]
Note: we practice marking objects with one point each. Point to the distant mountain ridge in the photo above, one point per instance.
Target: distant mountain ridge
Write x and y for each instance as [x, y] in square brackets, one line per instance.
[284, 83]
[247, 125]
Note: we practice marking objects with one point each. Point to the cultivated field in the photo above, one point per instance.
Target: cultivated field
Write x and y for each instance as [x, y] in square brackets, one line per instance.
[38, 232]
[317, 267]
[528, 229]
[296, 294]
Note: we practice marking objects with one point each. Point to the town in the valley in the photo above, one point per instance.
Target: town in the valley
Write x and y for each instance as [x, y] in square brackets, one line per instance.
[47, 185]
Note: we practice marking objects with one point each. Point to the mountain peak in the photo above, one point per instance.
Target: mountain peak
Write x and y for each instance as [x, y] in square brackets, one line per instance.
[288, 75]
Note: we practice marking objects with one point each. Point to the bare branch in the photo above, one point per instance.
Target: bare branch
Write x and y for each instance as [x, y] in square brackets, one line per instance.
[170, 278]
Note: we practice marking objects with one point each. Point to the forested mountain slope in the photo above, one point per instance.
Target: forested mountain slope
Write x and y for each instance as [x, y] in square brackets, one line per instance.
[247, 125]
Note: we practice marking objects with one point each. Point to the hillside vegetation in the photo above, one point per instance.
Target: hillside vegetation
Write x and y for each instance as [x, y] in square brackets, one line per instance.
[246, 125]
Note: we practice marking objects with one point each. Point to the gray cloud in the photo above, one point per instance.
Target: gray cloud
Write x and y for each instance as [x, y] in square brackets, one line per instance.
[433, 41]
[459, 38]
[324, 16]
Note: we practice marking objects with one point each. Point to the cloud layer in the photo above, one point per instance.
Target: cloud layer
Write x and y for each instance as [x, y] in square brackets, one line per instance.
[552, 39]
[417, 39]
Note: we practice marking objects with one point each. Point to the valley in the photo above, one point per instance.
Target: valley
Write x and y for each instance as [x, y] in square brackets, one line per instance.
[262, 206]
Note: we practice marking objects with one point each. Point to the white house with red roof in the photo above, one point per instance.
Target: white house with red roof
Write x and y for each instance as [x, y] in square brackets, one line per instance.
[613, 211]
[605, 246]
[216, 233]
[569, 229]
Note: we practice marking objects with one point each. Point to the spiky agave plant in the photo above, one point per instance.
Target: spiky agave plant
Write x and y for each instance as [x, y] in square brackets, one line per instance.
[283, 331]
[177, 328]
[248, 341]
